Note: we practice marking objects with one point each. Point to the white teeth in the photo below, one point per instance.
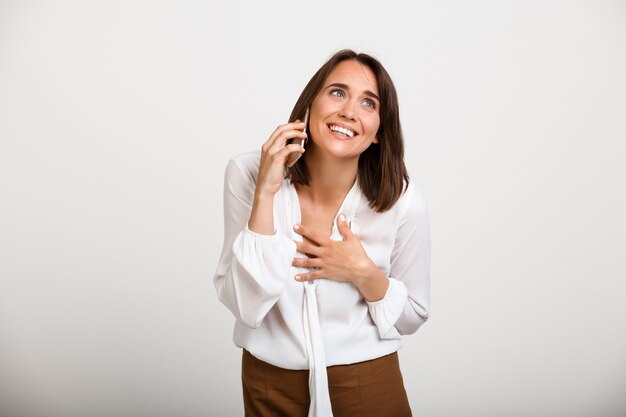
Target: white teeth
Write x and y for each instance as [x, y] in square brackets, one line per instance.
[343, 130]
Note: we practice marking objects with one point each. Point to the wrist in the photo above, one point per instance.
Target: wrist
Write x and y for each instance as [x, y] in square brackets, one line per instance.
[261, 197]
[261, 216]
[372, 283]
[364, 273]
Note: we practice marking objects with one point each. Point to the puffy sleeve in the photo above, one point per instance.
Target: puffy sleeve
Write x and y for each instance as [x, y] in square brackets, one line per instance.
[405, 306]
[253, 268]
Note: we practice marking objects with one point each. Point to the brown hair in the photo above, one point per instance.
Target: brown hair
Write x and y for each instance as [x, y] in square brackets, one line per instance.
[381, 173]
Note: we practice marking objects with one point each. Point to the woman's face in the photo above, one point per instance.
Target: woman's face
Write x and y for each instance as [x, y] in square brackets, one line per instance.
[344, 116]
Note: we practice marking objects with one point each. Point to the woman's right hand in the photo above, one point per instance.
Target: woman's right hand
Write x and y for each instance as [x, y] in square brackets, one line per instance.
[274, 154]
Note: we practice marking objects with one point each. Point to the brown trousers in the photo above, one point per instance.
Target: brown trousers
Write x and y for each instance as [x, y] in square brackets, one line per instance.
[366, 389]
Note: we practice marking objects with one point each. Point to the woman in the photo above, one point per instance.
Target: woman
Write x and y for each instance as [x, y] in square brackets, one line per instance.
[327, 263]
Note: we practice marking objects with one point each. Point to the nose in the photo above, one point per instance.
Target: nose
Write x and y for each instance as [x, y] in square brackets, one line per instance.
[348, 110]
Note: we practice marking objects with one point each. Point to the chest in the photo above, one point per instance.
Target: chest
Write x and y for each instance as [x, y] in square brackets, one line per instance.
[375, 231]
[318, 218]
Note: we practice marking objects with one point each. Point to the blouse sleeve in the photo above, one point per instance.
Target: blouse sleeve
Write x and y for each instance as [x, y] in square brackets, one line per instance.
[405, 306]
[253, 268]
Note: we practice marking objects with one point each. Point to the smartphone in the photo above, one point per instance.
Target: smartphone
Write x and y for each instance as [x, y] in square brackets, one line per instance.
[294, 156]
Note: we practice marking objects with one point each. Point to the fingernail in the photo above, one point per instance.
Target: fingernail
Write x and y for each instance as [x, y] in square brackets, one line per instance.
[296, 226]
[298, 277]
[342, 218]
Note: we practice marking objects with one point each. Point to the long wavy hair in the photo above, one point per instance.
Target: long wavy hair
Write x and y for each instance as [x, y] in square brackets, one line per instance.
[381, 173]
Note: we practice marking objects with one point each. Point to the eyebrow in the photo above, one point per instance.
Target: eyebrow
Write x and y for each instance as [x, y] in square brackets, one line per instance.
[345, 86]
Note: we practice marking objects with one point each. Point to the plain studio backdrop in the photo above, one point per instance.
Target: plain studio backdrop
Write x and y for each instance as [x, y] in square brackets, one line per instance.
[117, 119]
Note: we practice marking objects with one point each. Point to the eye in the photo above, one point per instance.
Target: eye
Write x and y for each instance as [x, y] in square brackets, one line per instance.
[369, 103]
[337, 92]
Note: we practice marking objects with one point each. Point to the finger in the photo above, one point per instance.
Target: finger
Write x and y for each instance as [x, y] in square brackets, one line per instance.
[344, 227]
[309, 276]
[308, 248]
[295, 127]
[282, 139]
[281, 157]
[307, 262]
[310, 234]
[279, 138]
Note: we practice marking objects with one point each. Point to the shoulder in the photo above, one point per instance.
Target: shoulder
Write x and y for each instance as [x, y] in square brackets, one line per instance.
[244, 166]
[412, 204]
[240, 175]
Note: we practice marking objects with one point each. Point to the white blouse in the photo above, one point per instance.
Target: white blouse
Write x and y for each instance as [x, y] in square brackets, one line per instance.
[315, 324]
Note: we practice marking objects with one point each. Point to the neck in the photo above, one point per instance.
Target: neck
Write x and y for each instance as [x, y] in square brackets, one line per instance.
[330, 179]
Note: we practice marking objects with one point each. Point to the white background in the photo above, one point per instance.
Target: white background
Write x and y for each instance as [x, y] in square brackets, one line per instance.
[117, 119]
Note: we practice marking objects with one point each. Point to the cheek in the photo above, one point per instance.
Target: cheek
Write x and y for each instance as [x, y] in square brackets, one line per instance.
[372, 124]
[314, 131]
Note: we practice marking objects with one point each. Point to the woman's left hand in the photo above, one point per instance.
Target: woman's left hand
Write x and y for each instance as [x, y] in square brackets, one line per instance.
[340, 260]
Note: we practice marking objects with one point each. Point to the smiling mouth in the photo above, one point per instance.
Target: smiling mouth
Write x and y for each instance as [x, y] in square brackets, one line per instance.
[342, 132]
